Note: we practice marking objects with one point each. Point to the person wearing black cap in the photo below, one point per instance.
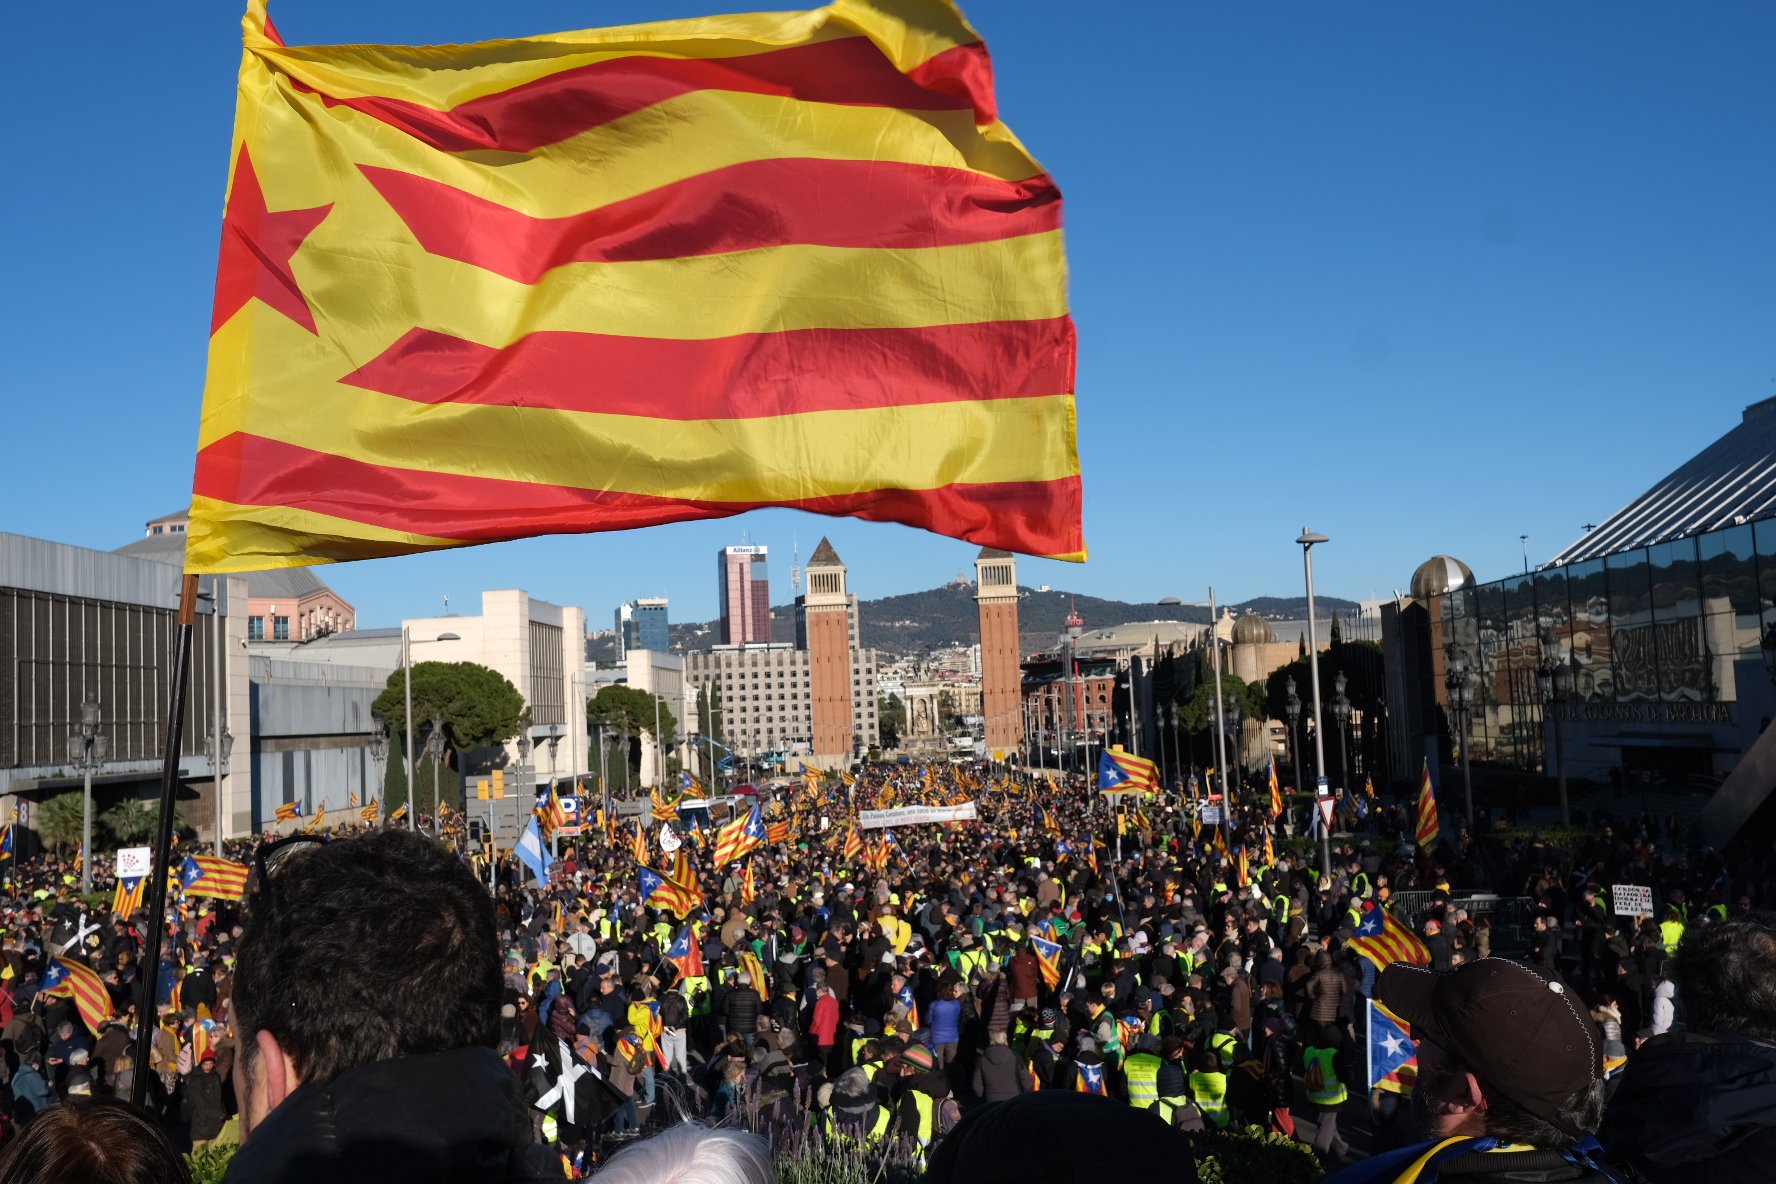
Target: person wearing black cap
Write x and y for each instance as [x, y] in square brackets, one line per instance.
[1510, 1078]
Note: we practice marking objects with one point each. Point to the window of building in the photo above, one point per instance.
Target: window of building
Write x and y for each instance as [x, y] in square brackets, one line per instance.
[280, 628]
[255, 628]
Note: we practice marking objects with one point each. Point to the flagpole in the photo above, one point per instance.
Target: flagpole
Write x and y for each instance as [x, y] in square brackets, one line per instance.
[149, 969]
[1220, 730]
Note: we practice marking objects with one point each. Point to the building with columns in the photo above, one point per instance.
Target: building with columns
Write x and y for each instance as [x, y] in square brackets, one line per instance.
[1001, 707]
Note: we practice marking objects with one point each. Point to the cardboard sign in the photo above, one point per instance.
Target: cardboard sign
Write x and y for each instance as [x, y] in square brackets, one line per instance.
[1631, 900]
[1209, 815]
[134, 861]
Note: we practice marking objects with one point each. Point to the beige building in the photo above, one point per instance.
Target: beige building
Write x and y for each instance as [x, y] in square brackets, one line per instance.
[767, 696]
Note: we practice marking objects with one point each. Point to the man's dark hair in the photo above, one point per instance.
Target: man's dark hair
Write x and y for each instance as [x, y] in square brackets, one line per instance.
[1727, 974]
[367, 949]
[1578, 1119]
[92, 1141]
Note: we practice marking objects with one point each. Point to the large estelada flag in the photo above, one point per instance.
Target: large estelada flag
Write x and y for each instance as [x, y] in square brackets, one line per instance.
[607, 279]
[1384, 940]
[206, 875]
[77, 981]
[1124, 772]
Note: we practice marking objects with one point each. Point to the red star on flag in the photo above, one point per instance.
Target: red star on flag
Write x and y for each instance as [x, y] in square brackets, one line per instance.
[257, 245]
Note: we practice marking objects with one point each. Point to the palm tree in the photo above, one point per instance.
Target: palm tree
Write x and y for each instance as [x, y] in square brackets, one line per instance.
[59, 821]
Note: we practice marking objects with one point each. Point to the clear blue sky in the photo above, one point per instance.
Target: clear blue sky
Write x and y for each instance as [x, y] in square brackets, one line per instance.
[1425, 277]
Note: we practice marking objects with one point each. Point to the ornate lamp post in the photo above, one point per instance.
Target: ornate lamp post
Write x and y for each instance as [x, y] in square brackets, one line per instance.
[217, 756]
[89, 747]
[378, 759]
[1458, 684]
[1292, 709]
[1341, 711]
[1555, 677]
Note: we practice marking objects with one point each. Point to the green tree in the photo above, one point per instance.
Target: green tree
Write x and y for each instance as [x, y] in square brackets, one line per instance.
[132, 821]
[891, 719]
[59, 821]
[480, 706]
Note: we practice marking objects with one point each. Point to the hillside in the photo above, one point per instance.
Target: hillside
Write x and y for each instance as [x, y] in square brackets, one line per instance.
[919, 622]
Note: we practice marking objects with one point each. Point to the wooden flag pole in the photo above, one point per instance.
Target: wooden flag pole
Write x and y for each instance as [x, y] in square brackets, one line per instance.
[147, 1019]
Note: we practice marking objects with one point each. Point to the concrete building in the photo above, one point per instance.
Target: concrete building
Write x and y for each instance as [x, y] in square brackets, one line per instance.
[766, 700]
[745, 586]
[1001, 677]
[76, 622]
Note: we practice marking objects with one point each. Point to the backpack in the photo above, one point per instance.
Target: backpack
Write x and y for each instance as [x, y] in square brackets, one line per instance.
[1315, 1077]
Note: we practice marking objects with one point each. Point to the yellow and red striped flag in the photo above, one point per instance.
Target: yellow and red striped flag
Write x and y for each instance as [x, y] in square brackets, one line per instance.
[127, 897]
[369, 813]
[206, 875]
[69, 979]
[1428, 824]
[454, 279]
[853, 845]
[749, 962]
[288, 811]
[684, 871]
[638, 844]
[748, 886]
[1276, 790]
[1384, 940]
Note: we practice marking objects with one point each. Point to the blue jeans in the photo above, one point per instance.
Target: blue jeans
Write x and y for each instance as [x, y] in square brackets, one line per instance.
[647, 1085]
[626, 1118]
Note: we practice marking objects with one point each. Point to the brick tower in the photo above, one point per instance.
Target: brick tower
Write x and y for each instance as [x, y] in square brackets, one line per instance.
[996, 592]
[826, 623]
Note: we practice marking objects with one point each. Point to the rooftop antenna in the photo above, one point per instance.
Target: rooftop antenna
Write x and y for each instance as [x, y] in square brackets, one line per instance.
[1524, 539]
[447, 604]
[795, 566]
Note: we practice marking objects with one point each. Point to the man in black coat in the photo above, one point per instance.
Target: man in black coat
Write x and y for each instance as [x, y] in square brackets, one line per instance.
[740, 1010]
[203, 1102]
[366, 999]
[1701, 1104]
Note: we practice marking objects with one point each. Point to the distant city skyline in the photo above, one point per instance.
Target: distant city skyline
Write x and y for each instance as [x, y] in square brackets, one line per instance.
[1423, 278]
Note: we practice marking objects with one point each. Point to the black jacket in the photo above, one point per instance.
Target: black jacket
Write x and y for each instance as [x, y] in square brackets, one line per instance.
[1692, 1107]
[203, 1104]
[998, 1075]
[446, 1118]
[740, 1011]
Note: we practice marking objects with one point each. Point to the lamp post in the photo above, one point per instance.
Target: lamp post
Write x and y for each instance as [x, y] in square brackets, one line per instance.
[1555, 677]
[1341, 711]
[1172, 724]
[434, 748]
[1307, 541]
[218, 727]
[525, 791]
[378, 755]
[1292, 709]
[89, 747]
[217, 756]
[407, 644]
[1460, 691]
[1075, 709]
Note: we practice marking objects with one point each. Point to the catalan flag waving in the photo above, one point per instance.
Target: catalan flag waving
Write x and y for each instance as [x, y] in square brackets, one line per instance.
[658, 892]
[686, 955]
[738, 838]
[1383, 940]
[127, 897]
[288, 811]
[1276, 791]
[454, 280]
[206, 875]
[1428, 825]
[1124, 772]
[69, 979]
[1048, 959]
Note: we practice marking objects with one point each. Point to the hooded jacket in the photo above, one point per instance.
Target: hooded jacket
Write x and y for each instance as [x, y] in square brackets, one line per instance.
[445, 1118]
[1695, 1107]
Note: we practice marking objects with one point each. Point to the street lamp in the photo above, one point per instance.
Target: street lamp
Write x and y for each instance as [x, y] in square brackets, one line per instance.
[89, 747]
[1555, 677]
[378, 756]
[434, 748]
[1292, 709]
[1172, 724]
[1458, 685]
[1075, 709]
[218, 760]
[407, 644]
[1307, 541]
[1341, 711]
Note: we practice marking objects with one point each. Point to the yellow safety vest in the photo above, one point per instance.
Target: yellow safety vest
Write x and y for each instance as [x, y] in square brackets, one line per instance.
[1331, 1091]
[926, 1105]
[1672, 932]
[1142, 1072]
[1209, 1092]
[1225, 1046]
[874, 1137]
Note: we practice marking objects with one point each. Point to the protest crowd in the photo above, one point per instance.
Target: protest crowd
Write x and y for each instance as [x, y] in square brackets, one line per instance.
[1066, 981]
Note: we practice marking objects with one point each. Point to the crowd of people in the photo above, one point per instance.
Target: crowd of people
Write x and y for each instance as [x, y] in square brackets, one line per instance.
[919, 992]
